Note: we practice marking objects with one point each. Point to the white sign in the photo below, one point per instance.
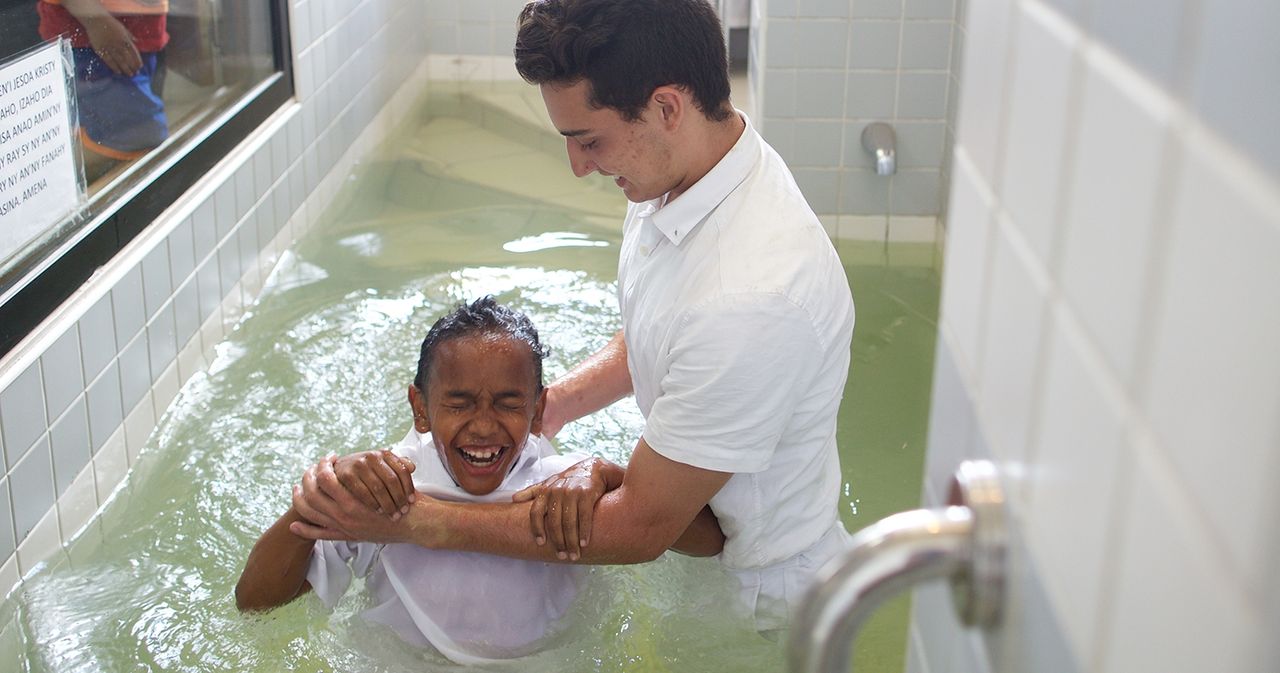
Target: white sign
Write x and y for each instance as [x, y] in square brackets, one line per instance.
[38, 174]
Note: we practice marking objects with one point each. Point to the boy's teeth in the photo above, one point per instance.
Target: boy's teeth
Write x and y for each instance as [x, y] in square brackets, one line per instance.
[481, 455]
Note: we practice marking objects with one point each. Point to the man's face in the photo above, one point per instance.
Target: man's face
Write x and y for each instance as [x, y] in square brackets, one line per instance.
[480, 405]
[635, 154]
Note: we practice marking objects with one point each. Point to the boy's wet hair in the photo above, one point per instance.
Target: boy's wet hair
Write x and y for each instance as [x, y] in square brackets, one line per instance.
[482, 316]
[625, 49]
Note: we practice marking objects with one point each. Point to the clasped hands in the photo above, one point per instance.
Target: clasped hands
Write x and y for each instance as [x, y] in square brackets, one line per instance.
[369, 496]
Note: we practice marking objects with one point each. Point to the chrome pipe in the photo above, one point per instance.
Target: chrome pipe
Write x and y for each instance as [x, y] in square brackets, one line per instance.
[879, 139]
[964, 542]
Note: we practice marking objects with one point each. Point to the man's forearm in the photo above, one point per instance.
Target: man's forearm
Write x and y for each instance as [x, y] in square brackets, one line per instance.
[618, 536]
[594, 384]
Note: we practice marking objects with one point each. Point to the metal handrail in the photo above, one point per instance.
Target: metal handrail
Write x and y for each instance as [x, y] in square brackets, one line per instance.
[964, 542]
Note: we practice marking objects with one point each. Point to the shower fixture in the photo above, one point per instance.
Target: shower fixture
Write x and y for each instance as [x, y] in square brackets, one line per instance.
[878, 139]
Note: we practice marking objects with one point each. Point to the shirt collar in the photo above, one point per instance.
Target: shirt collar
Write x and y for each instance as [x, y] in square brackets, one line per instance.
[676, 219]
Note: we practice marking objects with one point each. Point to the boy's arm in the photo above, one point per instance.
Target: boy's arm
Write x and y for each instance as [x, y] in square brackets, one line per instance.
[110, 39]
[594, 384]
[276, 571]
[651, 511]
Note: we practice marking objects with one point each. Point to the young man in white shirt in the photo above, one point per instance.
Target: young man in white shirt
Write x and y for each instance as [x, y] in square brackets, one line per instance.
[737, 322]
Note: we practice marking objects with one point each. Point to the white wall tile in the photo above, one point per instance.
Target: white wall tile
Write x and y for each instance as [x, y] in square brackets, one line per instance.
[1234, 74]
[1145, 32]
[1110, 212]
[821, 188]
[135, 371]
[42, 543]
[245, 191]
[31, 483]
[1012, 343]
[204, 222]
[863, 193]
[110, 464]
[62, 373]
[77, 505]
[166, 389]
[1214, 385]
[817, 144]
[820, 93]
[920, 144]
[127, 305]
[877, 9]
[1175, 610]
[105, 410]
[915, 193]
[779, 93]
[9, 580]
[926, 45]
[182, 261]
[873, 45]
[969, 218]
[870, 95]
[138, 426]
[929, 9]
[922, 95]
[186, 312]
[823, 8]
[97, 337]
[156, 282]
[820, 44]
[1039, 92]
[162, 343]
[8, 539]
[69, 439]
[1076, 450]
[22, 413]
[980, 119]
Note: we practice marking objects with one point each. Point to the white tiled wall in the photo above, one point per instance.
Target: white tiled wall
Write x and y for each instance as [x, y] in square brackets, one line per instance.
[81, 395]
[821, 70]
[1109, 331]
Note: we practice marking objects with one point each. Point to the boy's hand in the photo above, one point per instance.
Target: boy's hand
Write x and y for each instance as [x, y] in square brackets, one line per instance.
[563, 505]
[379, 479]
[113, 42]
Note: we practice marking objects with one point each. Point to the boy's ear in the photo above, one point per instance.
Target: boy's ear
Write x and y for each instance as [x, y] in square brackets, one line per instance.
[418, 402]
[535, 427]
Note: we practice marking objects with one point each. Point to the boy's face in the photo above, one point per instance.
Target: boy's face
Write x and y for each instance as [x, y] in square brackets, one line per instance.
[480, 405]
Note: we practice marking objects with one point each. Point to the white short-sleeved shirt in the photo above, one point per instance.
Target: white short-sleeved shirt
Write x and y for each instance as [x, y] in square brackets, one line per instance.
[738, 319]
[471, 607]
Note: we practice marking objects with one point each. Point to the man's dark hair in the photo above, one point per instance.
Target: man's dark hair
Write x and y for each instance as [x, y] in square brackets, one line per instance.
[625, 49]
[482, 316]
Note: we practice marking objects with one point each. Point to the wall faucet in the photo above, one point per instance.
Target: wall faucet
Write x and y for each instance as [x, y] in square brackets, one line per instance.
[878, 139]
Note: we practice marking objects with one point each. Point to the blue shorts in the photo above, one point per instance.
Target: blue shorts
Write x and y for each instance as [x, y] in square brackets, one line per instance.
[120, 116]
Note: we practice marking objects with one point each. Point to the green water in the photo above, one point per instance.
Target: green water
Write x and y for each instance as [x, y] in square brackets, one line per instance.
[455, 208]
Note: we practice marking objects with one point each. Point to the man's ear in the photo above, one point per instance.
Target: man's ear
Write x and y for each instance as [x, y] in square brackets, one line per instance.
[418, 402]
[535, 427]
[671, 103]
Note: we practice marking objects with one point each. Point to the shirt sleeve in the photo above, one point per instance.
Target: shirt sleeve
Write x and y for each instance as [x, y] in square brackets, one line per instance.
[737, 369]
[334, 563]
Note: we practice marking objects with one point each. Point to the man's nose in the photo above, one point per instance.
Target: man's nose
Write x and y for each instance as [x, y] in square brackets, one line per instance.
[578, 161]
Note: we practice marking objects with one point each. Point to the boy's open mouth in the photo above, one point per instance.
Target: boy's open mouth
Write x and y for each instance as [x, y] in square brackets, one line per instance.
[482, 456]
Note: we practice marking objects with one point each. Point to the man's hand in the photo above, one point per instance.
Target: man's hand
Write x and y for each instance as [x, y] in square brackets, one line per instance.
[331, 512]
[379, 479]
[564, 504]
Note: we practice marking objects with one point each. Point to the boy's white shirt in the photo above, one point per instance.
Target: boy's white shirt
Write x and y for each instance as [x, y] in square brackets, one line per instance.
[471, 607]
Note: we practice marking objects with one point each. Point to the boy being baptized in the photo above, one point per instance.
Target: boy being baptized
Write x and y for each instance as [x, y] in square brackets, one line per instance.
[477, 403]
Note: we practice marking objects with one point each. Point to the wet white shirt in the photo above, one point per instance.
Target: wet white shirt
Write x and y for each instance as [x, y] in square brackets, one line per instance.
[471, 607]
[738, 318]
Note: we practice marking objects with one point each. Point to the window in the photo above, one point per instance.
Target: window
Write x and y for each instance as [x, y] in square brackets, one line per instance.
[164, 88]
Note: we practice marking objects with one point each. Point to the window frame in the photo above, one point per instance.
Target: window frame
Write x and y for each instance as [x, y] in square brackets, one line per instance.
[37, 287]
